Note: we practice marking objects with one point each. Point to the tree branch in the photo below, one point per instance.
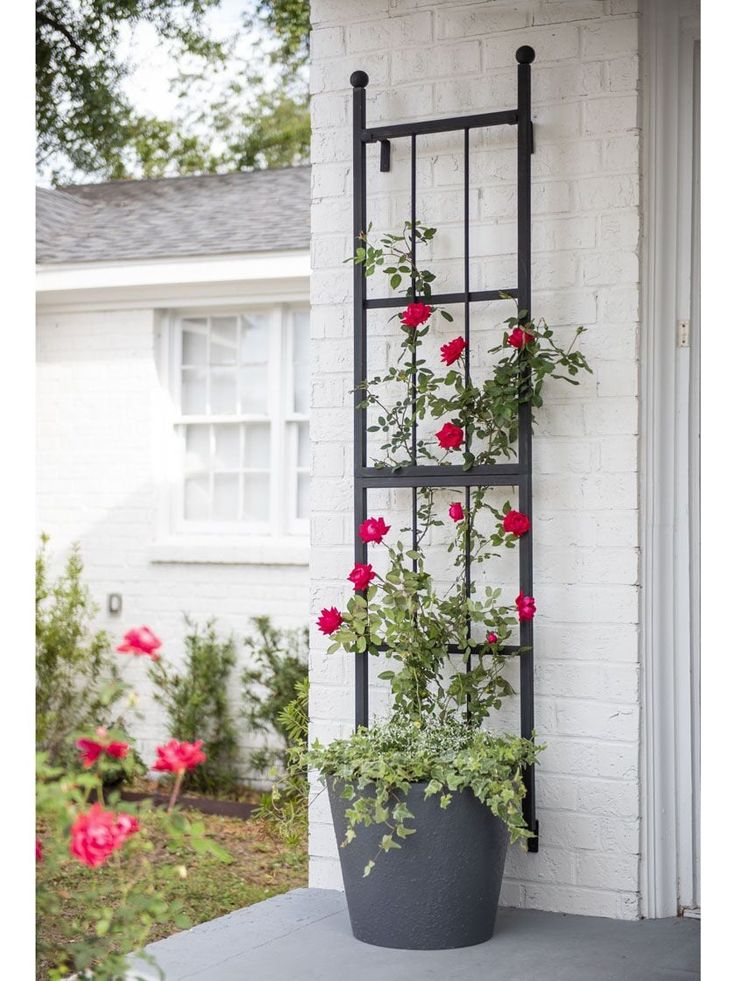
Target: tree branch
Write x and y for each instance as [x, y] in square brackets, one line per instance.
[60, 29]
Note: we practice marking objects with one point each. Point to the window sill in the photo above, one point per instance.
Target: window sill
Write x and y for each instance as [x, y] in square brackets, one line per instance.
[254, 551]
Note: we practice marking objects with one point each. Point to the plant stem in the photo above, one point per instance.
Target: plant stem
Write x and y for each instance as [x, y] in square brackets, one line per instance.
[175, 791]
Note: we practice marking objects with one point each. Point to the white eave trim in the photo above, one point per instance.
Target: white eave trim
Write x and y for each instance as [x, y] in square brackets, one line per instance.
[262, 266]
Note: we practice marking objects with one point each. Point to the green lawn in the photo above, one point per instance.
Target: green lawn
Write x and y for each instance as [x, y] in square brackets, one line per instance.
[263, 865]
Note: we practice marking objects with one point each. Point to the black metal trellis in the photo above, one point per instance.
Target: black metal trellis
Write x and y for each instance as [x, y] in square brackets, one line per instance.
[517, 474]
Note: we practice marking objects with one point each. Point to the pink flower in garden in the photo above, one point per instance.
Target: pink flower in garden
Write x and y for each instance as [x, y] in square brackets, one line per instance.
[415, 315]
[516, 523]
[361, 576]
[450, 436]
[492, 638]
[175, 756]
[525, 607]
[456, 511]
[373, 530]
[330, 620]
[92, 750]
[141, 640]
[98, 833]
[39, 850]
[452, 350]
[519, 337]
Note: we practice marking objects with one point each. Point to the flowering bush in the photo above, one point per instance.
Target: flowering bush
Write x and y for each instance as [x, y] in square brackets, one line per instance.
[447, 647]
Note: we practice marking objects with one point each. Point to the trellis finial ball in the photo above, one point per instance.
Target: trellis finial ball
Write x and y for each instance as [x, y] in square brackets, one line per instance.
[359, 80]
[525, 55]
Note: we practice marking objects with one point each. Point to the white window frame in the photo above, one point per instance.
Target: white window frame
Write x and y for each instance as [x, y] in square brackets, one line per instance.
[283, 528]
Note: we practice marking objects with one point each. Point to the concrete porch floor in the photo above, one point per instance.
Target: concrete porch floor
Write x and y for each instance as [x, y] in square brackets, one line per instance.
[305, 935]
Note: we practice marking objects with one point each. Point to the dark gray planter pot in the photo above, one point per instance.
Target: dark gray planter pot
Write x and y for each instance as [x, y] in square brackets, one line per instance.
[440, 890]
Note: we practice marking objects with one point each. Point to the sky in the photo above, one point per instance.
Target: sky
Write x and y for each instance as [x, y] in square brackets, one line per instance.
[154, 67]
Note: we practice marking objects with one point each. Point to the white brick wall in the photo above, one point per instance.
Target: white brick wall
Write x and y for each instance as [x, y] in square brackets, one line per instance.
[428, 58]
[98, 446]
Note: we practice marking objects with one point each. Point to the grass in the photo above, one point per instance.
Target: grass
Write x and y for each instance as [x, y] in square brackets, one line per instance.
[262, 865]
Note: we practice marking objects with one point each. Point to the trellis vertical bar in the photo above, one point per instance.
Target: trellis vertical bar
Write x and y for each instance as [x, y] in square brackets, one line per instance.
[524, 57]
[359, 80]
[414, 493]
[466, 307]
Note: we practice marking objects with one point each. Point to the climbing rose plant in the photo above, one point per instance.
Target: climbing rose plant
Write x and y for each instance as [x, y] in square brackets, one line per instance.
[447, 647]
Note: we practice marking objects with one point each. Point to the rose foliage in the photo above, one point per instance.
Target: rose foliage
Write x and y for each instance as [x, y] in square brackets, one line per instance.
[447, 647]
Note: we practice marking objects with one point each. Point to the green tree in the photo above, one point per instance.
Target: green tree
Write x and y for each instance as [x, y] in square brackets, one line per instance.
[87, 124]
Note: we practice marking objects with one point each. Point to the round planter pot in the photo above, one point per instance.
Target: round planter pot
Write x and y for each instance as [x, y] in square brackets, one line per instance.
[440, 889]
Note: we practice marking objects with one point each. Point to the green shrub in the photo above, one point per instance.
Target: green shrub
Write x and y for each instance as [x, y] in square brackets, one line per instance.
[77, 680]
[271, 685]
[198, 707]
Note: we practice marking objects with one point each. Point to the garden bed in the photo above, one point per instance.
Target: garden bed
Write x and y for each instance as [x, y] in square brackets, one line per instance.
[262, 865]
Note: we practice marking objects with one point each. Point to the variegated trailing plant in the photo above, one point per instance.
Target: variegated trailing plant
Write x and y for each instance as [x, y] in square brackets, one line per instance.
[447, 647]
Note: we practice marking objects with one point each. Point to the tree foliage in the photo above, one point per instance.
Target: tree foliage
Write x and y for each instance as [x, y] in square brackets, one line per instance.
[87, 124]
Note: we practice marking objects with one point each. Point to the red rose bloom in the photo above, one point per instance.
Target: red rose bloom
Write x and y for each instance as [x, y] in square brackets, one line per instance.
[330, 620]
[452, 350]
[456, 511]
[175, 757]
[141, 640]
[361, 576]
[98, 833]
[519, 337]
[492, 638]
[450, 436]
[415, 315]
[373, 530]
[91, 750]
[516, 523]
[525, 607]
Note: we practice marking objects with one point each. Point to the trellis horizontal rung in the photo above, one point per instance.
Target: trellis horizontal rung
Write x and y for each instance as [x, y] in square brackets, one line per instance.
[507, 117]
[476, 296]
[438, 477]
[475, 649]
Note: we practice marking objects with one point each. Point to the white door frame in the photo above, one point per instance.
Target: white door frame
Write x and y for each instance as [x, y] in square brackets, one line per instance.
[669, 593]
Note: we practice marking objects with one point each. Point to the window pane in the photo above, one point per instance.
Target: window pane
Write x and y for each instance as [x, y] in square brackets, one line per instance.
[257, 448]
[193, 391]
[223, 340]
[197, 448]
[301, 348]
[302, 453]
[194, 342]
[225, 500]
[254, 389]
[254, 339]
[256, 497]
[302, 495]
[223, 391]
[197, 499]
[227, 447]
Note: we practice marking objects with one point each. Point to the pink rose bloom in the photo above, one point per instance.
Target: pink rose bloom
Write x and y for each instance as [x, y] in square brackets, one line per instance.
[452, 350]
[175, 757]
[525, 606]
[373, 530]
[519, 337]
[450, 436]
[415, 315]
[516, 523]
[330, 620]
[361, 576]
[139, 641]
[98, 833]
[492, 638]
[39, 850]
[456, 511]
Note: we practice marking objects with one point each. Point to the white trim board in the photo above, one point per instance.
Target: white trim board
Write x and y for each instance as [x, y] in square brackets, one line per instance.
[668, 787]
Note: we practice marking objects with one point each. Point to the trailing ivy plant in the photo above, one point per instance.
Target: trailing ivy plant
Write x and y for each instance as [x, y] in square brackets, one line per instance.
[447, 648]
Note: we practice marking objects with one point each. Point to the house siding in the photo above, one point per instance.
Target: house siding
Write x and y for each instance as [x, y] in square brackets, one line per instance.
[99, 476]
[427, 58]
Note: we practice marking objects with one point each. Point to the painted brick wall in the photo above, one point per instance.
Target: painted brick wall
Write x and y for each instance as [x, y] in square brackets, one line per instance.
[427, 58]
[98, 476]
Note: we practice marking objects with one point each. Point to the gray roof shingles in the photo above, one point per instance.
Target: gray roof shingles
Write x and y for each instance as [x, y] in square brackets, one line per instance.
[258, 211]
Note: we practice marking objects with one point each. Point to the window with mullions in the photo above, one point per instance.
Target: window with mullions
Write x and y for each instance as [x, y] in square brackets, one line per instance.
[241, 384]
